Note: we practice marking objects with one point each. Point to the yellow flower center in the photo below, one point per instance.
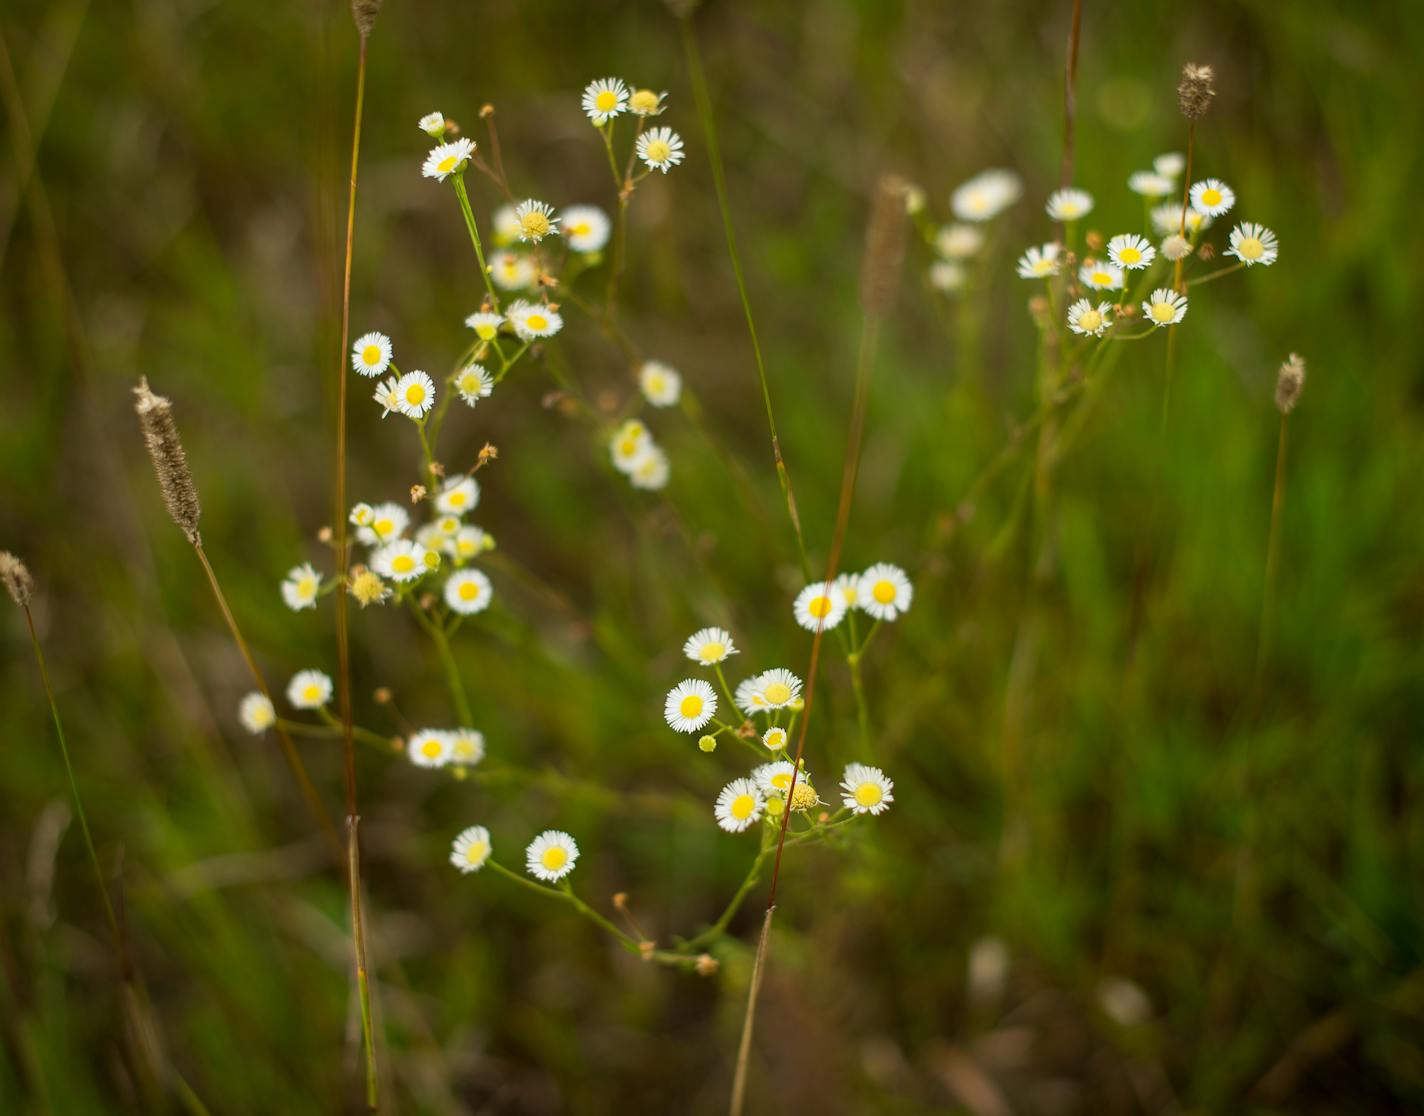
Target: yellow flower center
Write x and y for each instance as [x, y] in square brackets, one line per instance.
[1129, 255]
[311, 692]
[456, 499]
[415, 395]
[485, 332]
[782, 780]
[306, 587]
[1163, 312]
[403, 563]
[742, 807]
[383, 527]
[1211, 197]
[1101, 278]
[820, 607]
[712, 652]
[644, 101]
[691, 705]
[1090, 320]
[537, 321]
[1043, 267]
[884, 591]
[658, 151]
[778, 693]
[446, 165]
[371, 354]
[776, 738]
[554, 858]
[534, 225]
[581, 229]
[430, 749]
[475, 854]
[657, 384]
[627, 447]
[469, 591]
[868, 794]
[606, 101]
[1251, 248]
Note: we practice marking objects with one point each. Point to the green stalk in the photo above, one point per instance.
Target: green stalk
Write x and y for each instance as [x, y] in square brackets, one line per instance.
[464, 198]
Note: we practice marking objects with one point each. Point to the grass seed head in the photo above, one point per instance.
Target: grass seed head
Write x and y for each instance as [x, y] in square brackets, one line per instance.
[165, 448]
[364, 12]
[16, 576]
[1289, 382]
[884, 246]
[1196, 90]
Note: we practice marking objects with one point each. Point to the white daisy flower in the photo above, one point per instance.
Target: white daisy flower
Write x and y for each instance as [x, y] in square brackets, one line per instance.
[651, 471]
[387, 397]
[467, 747]
[604, 99]
[1165, 307]
[511, 271]
[661, 383]
[1253, 244]
[417, 394]
[867, 789]
[1150, 184]
[534, 319]
[551, 855]
[1090, 321]
[432, 124]
[749, 697]
[848, 585]
[1212, 197]
[468, 591]
[362, 515]
[959, 242]
[986, 195]
[536, 220]
[1069, 204]
[709, 645]
[1040, 262]
[474, 383]
[1130, 251]
[386, 522]
[1171, 164]
[1100, 276]
[660, 149]
[739, 805]
[585, 227]
[300, 588]
[505, 225]
[690, 705]
[647, 103]
[885, 591]
[447, 159]
[457, 496]
[627, 445]
[779, 687]
[371, 355]
[775, 739]
[471, 849]
[485, 324]
[256, 713]
[775, 778]
[1167, 219]
[309, 689]
[819, 607]
[429, 748]
[947, 276]
[469, 541]
[400, 561]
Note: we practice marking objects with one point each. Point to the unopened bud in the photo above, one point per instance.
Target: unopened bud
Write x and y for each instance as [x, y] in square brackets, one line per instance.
[1196, 90]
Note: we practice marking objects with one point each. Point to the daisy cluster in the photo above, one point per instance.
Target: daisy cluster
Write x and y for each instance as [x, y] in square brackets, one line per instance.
[549, 857]
[605, 100]
[974, 204]
[883, 592]
[458, 748]
[636, 455]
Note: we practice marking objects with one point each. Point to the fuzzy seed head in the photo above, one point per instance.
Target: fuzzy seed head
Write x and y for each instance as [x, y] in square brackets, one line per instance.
[364, 12]
[706, 964]
[165, 448]
[1289, 382]
[16, 576]
[1176, 248]
[1195, 90]
[884, 246]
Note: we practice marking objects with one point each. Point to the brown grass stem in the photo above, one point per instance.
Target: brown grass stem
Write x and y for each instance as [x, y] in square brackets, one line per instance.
[1070, 97]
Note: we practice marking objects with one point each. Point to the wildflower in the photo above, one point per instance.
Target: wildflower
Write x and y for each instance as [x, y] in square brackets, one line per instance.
[417, 394]
[885, 591]
[300, 588]
[467, 747]
[371, 355]
[959, 242]
[401, 561]
[457, 496]
[1165, 307]
[947, 276]
[387, 396]
[534, 319]
[256, 713]
[551, 855]
[447, 159]
[309, 689]
[1069, 204]
[1253, 244]
[660, 149]
[469, 541]
[1176, 247]
[1088, 320]
[432, 124]
[775, 739]
[1212, 197]
[1040, 262]
[471, 849]
[749, 697]
[485, 325]
[585, 227]
[1100, 276]
[627, 445]
[650, 472]
[1169, 218]
[511, 271]
[386, 522]
[429, 748]
[779, 687]
[739, 805]
[1130, 251]
[1289, 382]
[1150, 184]
[362, 515]
[986, 195]
[505, 225]
[660, 382]
[707, 743]
[1169, 165]
[536, 220]
[709, 645]
[368, 588]
[647, 103]
[867, 789]
[772, 777]
[818, 607]
[690, 705]
[474, 383]
[804, 796]
[468, 591]
[604, 99]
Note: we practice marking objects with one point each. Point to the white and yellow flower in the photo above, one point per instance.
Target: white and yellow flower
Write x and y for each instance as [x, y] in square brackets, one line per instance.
[387, 397]
[1170, 164]
[534, 319]
[473, 383]
[309, 689]
[778, 687]
[775, 778]
[1168, 219]
[690, 705]
[1087, 319]
[511, 271]
[651, 471]
[1212, 197]
[467, 747]
[382, 523]
[551, 855]
[401, 561]
[1130, 251]
[586, 228]
[505, 225]
[644, 102]
[1100, 276]
[536, 220]
[301, 586]
[661, 383]
[470, 541]
[432, 124]
[1253, 244]
[709, 645]
[867, 790]
[371, 354]
[848, 585]
[739, 805]
[818, 607]
[471, 849]
[660, 149]
[447, 159]
[775, 739]
[1166, 307]
[958, 241]
[986, 195]
[256, 713]
[457, 496]
[604, 99]
[416, 391]
[947, 276]
[1039, 263]
[627, 445]
[1150, 184]
[468, 591]
[485, 324]
[429, 748]
[1069, 204]
[749, 697]
[885, 591]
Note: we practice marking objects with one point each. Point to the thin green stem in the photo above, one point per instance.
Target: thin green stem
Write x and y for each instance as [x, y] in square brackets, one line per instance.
[1268, 592]
[464, 199]
[1209, 276]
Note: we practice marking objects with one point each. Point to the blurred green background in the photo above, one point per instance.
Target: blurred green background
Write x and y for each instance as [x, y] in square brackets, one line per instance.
[1105, 886]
